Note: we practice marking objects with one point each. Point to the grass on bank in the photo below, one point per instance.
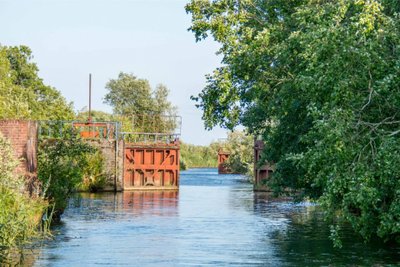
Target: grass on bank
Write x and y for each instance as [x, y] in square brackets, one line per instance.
[20, 214]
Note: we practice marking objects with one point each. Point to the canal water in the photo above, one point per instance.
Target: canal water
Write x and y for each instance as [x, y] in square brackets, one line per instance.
[214, 220]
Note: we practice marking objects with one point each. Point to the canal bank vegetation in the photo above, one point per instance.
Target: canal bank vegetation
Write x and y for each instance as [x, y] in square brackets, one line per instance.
[318, 81]
[63, 165]
[20, 214]
[23, 95]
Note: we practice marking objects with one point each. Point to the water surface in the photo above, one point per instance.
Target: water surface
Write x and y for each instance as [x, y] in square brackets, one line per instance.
[214, 220]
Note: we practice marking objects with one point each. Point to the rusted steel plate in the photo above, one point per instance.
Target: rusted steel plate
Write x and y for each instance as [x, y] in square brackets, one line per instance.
[151, 167]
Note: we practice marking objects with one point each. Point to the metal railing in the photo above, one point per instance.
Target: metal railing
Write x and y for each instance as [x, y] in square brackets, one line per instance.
[62, 129]
[149, 138]
[102, 130]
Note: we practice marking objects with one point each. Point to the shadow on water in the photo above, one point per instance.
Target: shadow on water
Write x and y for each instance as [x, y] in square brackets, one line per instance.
[304, 241]
[213, 220]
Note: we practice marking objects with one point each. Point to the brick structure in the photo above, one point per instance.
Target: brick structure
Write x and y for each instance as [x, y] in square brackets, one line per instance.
[23, 136]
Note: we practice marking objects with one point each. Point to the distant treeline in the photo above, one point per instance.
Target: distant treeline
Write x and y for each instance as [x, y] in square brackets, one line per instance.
[238, 144]
[193, 156]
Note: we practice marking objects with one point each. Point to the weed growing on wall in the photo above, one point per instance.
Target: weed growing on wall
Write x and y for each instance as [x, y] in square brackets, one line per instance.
[94, 175]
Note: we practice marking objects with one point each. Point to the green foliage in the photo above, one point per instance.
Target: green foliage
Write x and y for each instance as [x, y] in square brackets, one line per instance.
[182, 164]
[137, 105]
[193, 156]
[129, 95]
[319, 81]
[19, 214]
[61, 165]
[94, 176]
[23, 95]
[19, 217]
[8, 163]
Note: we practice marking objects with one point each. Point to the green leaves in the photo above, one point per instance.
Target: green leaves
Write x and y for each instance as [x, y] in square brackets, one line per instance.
[129, 95]
[132, 97]
[8, 163]
[23, 95]
[318, 80]
[19, 214]
[61, 167]
[193, 156]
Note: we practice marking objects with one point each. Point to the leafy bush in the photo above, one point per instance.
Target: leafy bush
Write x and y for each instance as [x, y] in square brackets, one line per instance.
[19, 217]
[19, 214]
[61, 164]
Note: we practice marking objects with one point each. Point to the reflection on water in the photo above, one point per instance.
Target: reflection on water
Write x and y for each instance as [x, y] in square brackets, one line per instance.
[212, 220]
[158, 203]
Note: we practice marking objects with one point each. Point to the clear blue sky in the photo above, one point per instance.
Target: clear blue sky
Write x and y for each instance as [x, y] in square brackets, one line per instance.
[149, 38]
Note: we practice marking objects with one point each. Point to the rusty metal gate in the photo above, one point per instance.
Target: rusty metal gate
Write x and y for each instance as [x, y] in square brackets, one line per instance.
[261, 173]
[151, 166]
[223, 156]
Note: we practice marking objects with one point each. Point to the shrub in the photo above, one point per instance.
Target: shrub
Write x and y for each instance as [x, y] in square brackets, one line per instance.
[60, 168]
[19, 217]
[19, 214]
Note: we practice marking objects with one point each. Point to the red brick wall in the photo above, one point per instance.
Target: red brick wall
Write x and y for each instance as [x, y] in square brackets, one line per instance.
[23, 138]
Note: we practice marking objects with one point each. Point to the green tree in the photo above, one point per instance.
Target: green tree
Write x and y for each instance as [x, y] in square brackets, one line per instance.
[135, 102]
[129, 95]
[319, 81]
[194, 156]
[23, 93]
